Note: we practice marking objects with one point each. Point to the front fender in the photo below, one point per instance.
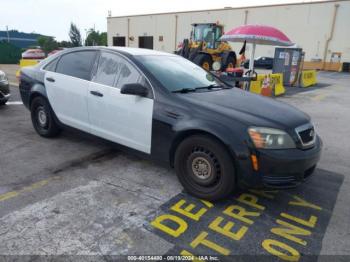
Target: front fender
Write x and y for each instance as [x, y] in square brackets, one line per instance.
[234, 137]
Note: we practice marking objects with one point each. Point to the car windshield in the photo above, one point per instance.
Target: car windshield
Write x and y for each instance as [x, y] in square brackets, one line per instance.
[178, 74]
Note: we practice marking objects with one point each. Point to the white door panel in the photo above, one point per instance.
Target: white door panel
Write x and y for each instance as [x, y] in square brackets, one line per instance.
[124, 119]
[68, 98]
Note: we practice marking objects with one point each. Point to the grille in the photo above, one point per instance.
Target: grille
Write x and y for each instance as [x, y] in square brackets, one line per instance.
[306, 134]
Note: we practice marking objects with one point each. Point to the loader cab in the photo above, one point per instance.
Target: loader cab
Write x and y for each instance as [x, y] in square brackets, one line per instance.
[208, 33]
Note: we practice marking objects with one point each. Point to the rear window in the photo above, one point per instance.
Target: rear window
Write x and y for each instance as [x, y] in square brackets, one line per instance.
[77, 64]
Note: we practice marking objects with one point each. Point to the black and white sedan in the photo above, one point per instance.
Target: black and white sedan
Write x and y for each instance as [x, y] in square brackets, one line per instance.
[217, 137]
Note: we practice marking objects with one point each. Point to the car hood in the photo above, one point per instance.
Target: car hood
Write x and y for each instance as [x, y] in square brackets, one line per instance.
[248, 108]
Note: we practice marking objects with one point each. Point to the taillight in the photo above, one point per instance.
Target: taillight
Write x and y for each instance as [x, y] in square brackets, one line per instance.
[19, 76]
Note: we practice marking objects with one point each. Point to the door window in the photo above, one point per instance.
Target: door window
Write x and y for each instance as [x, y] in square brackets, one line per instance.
[77, 64]
[107, 69]
[127, 74]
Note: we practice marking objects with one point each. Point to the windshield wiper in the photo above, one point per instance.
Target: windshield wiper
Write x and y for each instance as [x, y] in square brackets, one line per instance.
[210, 86]
[185, 90]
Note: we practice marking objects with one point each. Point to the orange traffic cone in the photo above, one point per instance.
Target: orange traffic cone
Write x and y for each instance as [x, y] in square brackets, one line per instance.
[265, 89]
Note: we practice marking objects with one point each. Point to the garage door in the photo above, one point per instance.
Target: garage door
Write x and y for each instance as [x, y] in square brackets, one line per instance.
[119, 41]
[146, 42]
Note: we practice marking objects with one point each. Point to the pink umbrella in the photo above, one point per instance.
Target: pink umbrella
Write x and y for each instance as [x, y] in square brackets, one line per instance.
[257, 34]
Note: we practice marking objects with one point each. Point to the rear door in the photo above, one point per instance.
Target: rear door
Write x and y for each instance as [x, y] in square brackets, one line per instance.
[125, 119]
[67, 88]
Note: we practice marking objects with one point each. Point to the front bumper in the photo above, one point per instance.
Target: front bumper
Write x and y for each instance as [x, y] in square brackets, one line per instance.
[282, 168]
[4, 91]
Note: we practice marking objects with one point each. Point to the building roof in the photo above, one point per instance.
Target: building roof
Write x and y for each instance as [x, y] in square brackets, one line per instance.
[232, 8]
[19, 39]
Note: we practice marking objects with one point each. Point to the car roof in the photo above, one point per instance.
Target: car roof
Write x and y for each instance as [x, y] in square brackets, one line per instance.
[128, 51]
[137, 51]
[125, 50]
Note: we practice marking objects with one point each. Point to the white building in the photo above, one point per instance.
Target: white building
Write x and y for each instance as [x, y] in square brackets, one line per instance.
[322, 29]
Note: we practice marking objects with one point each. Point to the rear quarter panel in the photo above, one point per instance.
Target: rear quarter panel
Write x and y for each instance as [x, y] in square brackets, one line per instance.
[31, 83]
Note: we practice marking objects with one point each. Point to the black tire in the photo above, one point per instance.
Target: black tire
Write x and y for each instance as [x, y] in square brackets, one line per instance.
[204, 60]
[2, 103]
[205, 168]
[43, 118]
[230, 61]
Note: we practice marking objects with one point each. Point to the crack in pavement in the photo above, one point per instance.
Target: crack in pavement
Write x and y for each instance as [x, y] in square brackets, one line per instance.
[82, 162]
[128, 189]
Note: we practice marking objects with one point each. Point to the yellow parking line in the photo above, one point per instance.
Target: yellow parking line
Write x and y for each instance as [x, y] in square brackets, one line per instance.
[13, 84]
[8, 195]
[319, 97]
[29, 188]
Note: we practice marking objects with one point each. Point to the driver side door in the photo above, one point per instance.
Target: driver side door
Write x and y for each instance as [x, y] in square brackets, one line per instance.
[124, 119]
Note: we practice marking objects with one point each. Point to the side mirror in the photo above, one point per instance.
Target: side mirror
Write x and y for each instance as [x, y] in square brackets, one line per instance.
[134, 89]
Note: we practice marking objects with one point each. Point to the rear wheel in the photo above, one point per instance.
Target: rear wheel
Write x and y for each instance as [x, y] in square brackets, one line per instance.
[205, 168]
[203, 60]
[43, 118]
[230, 61]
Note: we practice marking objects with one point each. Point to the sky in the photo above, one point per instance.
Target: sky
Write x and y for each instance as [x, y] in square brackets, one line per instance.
[53, 17]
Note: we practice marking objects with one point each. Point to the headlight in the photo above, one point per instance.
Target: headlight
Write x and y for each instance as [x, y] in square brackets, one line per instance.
[2, 76]
[270, 138]
[216, 66]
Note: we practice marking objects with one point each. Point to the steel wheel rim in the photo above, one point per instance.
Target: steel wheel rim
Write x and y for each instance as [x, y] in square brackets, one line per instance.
[203, 168]
[206, 66]
[230, 65]
[42, 117]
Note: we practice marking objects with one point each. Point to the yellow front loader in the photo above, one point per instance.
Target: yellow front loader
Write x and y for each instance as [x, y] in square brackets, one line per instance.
[204, 47]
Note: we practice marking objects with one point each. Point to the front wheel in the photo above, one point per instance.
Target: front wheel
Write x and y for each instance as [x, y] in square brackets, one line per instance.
[205, 168]
[43, 118]
[204, 60]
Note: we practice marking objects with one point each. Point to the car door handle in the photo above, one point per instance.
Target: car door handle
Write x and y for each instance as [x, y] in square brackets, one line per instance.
[96, 93]
[50, 79]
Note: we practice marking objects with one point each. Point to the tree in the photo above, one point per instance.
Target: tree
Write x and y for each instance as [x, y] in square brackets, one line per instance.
[96, 38]
[93, 38]
[103, 38]
[65, 44]
[74, 35]
[47, 43]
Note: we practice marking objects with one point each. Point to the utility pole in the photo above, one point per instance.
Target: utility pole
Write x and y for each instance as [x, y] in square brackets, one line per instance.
[86, 35]
[8, 35]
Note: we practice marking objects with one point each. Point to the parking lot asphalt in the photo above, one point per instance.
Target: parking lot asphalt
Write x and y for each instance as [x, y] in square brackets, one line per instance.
[77, 194]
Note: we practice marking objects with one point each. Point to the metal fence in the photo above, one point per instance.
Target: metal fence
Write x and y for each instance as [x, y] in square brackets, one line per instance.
[9, 54]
